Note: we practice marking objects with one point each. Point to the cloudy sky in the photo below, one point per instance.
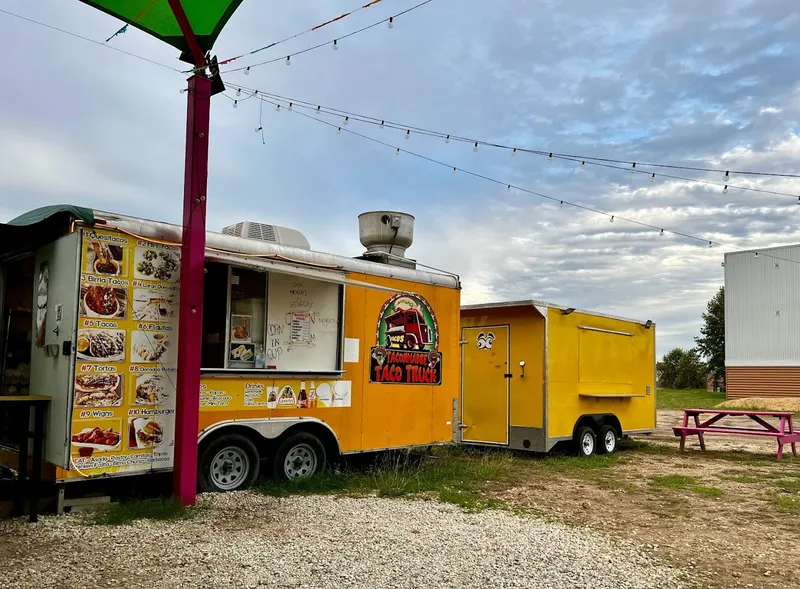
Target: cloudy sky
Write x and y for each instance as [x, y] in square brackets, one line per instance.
[709, 83]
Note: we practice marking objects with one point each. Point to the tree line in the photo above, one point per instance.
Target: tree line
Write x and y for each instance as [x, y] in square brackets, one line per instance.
[688, 369]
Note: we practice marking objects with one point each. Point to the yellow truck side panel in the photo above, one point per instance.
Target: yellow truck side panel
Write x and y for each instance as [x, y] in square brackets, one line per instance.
[379, 415]
[526, 328]
[593, 371]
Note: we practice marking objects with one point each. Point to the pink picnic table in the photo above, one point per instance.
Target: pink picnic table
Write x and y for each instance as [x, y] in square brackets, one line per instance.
[784, 433]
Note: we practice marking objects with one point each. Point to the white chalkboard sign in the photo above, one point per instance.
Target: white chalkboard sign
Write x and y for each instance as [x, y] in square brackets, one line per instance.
[303, 318]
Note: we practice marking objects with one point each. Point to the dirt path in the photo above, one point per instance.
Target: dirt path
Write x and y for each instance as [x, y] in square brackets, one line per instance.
[731, 515]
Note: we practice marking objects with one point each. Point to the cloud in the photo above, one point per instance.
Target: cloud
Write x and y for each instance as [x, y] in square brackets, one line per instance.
[705, 84]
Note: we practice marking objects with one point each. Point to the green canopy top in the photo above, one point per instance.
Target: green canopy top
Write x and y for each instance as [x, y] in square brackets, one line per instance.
[41, 214]
[155, 17]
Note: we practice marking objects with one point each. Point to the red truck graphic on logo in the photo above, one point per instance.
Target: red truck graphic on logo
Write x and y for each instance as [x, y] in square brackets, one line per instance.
[407, 329]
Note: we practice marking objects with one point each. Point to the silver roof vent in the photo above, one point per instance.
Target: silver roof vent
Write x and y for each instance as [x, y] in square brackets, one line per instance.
[387, 235]
[265, 232]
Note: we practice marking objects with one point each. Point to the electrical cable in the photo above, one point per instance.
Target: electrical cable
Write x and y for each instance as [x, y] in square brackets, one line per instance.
[611, 216]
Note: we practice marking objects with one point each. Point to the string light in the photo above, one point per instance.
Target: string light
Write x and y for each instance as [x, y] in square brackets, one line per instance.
[454, 170]
[612, 219]
[726, 177]
[583, 165]
[288, 60]
[408, 134]
[508, 188]
[397, 152]
[259, 129]
[235, 104]
[662, 232]
[346, 121]
[290, 106]
[550, 159]
[339, 130]
[653, 179]
[335, 46]
[725, 190]
[514, 153]
[475, 147]
[391, 22]
[183, 90]
[277, 108]
[318, 110]
[562, 204]
[447, 139]
[710, 244]
[381, 124]
[633, 168]
[238, 92]
[247, 71]
[756, 254]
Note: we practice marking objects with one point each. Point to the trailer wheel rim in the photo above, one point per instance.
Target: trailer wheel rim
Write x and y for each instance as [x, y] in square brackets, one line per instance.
[587, 444]
[229, 468]
[300, 462]
[610, 441]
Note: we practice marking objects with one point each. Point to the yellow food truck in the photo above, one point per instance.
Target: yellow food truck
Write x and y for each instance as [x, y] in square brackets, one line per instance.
[535, 374]
[305, 355]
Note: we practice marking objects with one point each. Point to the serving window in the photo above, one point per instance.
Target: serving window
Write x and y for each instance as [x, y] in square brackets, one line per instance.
[256, 320]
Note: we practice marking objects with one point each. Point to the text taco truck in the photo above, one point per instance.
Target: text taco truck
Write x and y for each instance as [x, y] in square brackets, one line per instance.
[305, 355]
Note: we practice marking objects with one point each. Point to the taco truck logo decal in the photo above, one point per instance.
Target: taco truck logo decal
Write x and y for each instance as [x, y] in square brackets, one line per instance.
[407, 341]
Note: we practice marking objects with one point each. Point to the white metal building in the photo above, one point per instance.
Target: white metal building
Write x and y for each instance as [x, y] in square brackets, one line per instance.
[762, 322]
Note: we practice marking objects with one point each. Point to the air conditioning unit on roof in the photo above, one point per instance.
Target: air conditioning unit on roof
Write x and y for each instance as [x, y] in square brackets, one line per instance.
[270, 233]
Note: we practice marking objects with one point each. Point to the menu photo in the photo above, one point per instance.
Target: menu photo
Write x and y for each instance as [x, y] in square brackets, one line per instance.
[103, 302]
[152, 389]
[104, 259]
[153, 347]
[157, 262]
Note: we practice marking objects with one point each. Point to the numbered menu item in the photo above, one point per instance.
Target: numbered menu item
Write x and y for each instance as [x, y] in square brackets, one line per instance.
[153, 389]
[152, 263]
[101, 345]
[154, 305]
[98, 438]
[145, 432]
[149, 347]
[104, 259]
[98, 390]
[103, 302]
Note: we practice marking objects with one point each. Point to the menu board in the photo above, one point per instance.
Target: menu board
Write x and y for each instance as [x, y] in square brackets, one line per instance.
[123, 415]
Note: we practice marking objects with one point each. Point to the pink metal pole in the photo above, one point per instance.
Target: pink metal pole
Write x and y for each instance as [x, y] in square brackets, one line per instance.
[190, 327]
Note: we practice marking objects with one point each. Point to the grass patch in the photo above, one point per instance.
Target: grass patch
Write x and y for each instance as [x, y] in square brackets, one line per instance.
[785, 503]
[681, 482]
[452, 476]
[687, 399]
[789, 485]
[742, 478]
[126, 512]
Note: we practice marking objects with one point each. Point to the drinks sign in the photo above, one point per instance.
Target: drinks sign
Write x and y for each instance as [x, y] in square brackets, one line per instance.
[407, 343]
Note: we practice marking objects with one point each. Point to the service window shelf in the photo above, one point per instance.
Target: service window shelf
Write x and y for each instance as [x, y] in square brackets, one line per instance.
[611, 395]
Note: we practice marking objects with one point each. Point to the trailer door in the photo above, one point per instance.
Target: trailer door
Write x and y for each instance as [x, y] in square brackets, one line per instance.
[484, 384]
[55, 311]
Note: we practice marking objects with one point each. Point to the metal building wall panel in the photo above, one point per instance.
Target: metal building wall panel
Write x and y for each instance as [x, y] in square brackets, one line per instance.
[762, 307]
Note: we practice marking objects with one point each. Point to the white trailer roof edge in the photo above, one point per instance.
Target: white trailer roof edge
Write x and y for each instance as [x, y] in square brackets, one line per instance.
[544, 304]
[238, 245]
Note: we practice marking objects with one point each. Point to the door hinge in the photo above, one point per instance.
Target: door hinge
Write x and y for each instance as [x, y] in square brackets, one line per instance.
[463, 342]
[508, 375]
[462, 426]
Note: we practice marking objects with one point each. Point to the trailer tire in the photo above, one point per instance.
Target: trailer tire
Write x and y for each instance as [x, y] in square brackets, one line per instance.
[607, 443]
[585, 441]
[228, 463]
[301, 455]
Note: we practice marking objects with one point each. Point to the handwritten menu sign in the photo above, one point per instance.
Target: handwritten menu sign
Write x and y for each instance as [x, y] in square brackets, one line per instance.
[123, 416]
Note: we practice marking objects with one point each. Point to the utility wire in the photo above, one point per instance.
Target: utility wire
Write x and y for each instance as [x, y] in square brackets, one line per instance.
[635, 169]
[611, 216]
[335, 41]
[99, 43]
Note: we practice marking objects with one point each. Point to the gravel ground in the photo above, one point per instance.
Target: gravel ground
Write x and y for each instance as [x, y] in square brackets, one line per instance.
[248, 540]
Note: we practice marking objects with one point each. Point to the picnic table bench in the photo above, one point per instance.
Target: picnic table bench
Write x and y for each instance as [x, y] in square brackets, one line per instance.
[784, 433]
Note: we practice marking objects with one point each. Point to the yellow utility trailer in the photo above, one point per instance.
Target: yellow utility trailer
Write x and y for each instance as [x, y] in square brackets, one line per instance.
[535, 374]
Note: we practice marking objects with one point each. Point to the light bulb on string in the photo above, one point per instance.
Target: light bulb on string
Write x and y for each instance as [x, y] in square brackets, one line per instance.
[235, 104]
[318, 109]
[725, 190]
[798, 200]
[513, 153]
[339, 131]
[612, 219]
[290, 106]
[653, 179]
[447, 139]
[726, 177]
[550, 159]
[710, 244]
[238, 92]
[508, 188]
[397, 152]
[259, 129]
[184, 90]
[288, 60]
[391, 22]
[756, 254]
[335, 45]
[247, 71]
[662, 232]
[277, 108]
[346, 120]
[454, 170]
[562, 204]
[583, 165]
[633, 168]
[408, 133]
[382, 124]
[475, 147]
